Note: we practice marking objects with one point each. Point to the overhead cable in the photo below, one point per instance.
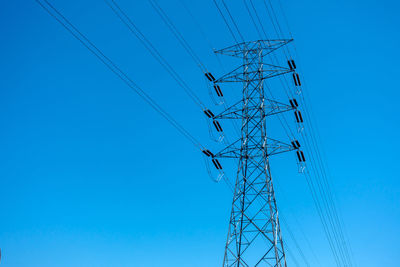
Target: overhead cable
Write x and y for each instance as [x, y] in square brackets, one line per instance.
[57, 15]
[153, 51]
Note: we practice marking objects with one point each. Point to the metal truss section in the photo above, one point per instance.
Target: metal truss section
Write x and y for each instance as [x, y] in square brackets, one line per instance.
[272, 107]
[254, 235]
[268, 71]
[270, 147]
[267, 46]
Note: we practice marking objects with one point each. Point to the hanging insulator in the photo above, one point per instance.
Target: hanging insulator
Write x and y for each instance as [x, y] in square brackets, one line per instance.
[293, 103]
[217, 126]
[293, 64]
[212, 77]
[218, 90]
[208, 76]
[298, 79]
[209, 113]
[294, 79]
[289, 62]
[295, 144]
[217, 164]
[299, 117]
[300, 156]
[208, 153]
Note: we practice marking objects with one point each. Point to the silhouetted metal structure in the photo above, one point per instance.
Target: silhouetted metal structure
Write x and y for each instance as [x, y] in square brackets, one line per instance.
[254, 236]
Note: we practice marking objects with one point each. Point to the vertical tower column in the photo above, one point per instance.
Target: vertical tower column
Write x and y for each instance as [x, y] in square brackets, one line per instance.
[254, 237]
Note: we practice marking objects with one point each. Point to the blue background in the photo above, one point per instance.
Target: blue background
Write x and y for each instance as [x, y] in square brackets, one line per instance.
[92, 176]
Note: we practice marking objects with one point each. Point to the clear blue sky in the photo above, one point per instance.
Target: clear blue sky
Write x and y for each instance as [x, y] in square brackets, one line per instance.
[92, 176]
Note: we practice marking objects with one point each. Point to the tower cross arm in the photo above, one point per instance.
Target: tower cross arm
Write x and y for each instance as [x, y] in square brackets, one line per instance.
[270, 147]
[272, 107]
[239, 50]
[267, 72]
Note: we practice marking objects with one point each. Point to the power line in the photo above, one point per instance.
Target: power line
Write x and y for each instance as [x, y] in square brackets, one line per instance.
[202, 32]
[127, 21]
[328, 207]
[226, 22]
[327, 190]
[179, 36]
[233, 20]
[153, 51]
[331, 217]
[320, 187]
[258, 18]
[57, 15]
[298, 247]
[251, 16]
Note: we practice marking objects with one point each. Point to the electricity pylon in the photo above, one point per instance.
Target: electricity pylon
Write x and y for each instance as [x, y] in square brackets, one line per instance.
[254, 235]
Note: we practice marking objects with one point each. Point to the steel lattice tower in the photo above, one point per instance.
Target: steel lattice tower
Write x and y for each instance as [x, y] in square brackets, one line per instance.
[254, 235]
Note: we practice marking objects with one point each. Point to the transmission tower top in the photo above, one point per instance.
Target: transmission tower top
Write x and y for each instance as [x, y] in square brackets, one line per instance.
[254, 234]
[266, 46]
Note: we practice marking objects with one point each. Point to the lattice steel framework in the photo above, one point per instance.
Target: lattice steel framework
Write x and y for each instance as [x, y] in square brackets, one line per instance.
[254, 235]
